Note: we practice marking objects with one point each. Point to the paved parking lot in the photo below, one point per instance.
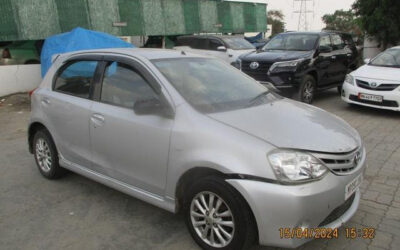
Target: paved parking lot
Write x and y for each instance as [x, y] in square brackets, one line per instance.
[77, 213]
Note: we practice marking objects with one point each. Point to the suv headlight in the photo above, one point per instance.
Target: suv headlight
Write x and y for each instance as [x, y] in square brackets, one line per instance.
[349, 79]
[285, 66]
[238, 63]
[295, 166]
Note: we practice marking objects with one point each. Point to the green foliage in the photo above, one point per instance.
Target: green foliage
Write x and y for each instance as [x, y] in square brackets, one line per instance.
[380, 19]
[275, 18]
[342, 20]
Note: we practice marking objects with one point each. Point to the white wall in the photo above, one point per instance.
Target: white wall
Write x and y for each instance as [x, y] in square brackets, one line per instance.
[371, 48]
[19, 78]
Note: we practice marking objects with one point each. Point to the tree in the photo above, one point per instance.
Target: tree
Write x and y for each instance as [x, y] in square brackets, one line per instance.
[275, 18]
[380, 19]
[342, 20]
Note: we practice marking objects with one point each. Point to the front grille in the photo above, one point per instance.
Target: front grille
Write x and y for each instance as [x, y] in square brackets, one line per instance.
[385, 103]
[342, 164]
[259, 74]
[382, 87]
[338, 212]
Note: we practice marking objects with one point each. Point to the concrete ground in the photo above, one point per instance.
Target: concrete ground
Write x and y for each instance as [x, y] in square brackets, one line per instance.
[77, 213]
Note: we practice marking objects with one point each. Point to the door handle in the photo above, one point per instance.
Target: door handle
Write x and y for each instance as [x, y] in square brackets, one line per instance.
[97, 119]
[45, 100]
[333, 57]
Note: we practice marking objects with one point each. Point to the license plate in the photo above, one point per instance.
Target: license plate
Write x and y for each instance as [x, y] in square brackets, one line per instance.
[372, 98]
[352, 186]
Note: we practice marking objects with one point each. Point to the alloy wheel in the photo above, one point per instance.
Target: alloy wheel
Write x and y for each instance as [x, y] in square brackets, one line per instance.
[212, 219]
[43, 155]
[308, 92]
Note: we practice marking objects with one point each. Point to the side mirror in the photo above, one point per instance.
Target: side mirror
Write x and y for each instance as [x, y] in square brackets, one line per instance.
[221, 48]
[152, 106]
[325, 49]
[367, 60]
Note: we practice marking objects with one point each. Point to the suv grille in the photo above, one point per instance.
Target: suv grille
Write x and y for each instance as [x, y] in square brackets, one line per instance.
[382, 87]
[342, 164]
[259, 74]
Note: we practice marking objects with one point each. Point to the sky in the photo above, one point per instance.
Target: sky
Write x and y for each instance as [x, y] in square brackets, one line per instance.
[320, 8]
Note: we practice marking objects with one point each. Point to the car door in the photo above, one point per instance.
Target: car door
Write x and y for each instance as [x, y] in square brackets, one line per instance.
[132, 147]
[324, 61]
[340, 59]
[68, 108]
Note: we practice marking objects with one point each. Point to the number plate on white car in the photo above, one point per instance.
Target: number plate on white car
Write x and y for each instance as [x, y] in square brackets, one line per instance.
[372, 98]
[352, 186]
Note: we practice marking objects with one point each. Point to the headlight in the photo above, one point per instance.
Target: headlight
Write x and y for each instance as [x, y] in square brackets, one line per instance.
[238, 63]
[349, 79]
[296, 167]
[285, 66]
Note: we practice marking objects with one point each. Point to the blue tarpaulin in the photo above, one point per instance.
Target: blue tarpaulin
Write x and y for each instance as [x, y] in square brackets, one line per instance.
[77, 39]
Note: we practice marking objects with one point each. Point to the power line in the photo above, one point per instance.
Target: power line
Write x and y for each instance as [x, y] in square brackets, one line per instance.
[304, 11]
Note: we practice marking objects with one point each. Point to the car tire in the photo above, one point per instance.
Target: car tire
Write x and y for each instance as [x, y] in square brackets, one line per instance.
[223, 231]
[46, 155]
[307, 90]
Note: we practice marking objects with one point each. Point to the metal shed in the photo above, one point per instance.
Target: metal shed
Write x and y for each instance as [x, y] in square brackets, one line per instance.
[38, 19]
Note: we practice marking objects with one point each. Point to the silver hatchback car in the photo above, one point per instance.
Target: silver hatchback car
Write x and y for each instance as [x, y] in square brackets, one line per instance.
[192, 134]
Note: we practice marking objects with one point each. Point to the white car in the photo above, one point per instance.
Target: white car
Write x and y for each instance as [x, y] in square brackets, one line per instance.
[227, 48]
[377, 83]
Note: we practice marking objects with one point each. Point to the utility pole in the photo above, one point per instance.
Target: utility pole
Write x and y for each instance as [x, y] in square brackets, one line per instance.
[303, 11]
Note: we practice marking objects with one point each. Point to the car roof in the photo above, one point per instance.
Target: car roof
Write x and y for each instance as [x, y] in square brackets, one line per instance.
[315, 32]
[211, 36]
[147, 53]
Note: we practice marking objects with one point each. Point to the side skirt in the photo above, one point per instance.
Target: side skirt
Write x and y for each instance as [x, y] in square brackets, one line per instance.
[167, 204]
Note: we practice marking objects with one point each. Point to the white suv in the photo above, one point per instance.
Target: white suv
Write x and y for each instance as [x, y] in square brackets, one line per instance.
[227, 48]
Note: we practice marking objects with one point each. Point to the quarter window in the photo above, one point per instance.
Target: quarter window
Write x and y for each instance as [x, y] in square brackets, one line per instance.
[337, 42]
[77, 78]
[325, 41]
[123, 86]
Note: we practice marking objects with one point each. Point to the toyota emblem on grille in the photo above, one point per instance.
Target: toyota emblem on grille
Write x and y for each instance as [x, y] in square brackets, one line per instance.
[373, 84]
[254, 65]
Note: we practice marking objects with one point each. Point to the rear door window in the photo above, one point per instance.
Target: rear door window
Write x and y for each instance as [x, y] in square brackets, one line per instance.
[76, 78]
[337, 42]
[200, 43]
[325, 41]
[123, 86]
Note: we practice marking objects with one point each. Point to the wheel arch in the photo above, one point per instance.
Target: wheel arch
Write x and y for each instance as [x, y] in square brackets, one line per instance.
[314, 74]
[33, 128]
[189, 178]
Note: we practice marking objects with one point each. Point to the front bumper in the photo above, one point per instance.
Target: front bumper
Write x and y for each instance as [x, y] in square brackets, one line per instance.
[297, 206]
[391, 98]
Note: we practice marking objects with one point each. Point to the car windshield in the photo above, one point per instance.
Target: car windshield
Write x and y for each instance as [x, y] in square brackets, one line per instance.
[389, 58]
[238, 43]
[295, 42]
[210, 85]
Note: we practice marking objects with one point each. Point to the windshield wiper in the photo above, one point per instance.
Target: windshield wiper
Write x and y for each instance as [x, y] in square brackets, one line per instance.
[252, 101]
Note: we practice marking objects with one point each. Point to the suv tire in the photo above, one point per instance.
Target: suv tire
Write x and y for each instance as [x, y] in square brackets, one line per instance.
[220, 212]
[46, 155]
[307, 90]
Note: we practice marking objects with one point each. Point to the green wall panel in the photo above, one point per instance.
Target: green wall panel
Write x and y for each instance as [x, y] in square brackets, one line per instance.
[173, 16]
[153, 17]
[238, 24]
[225, 16]
[38, 19]
[208, 16]
[192, 16]
[8, 25]
[131, 12]
[103, 13]
[73, 13]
